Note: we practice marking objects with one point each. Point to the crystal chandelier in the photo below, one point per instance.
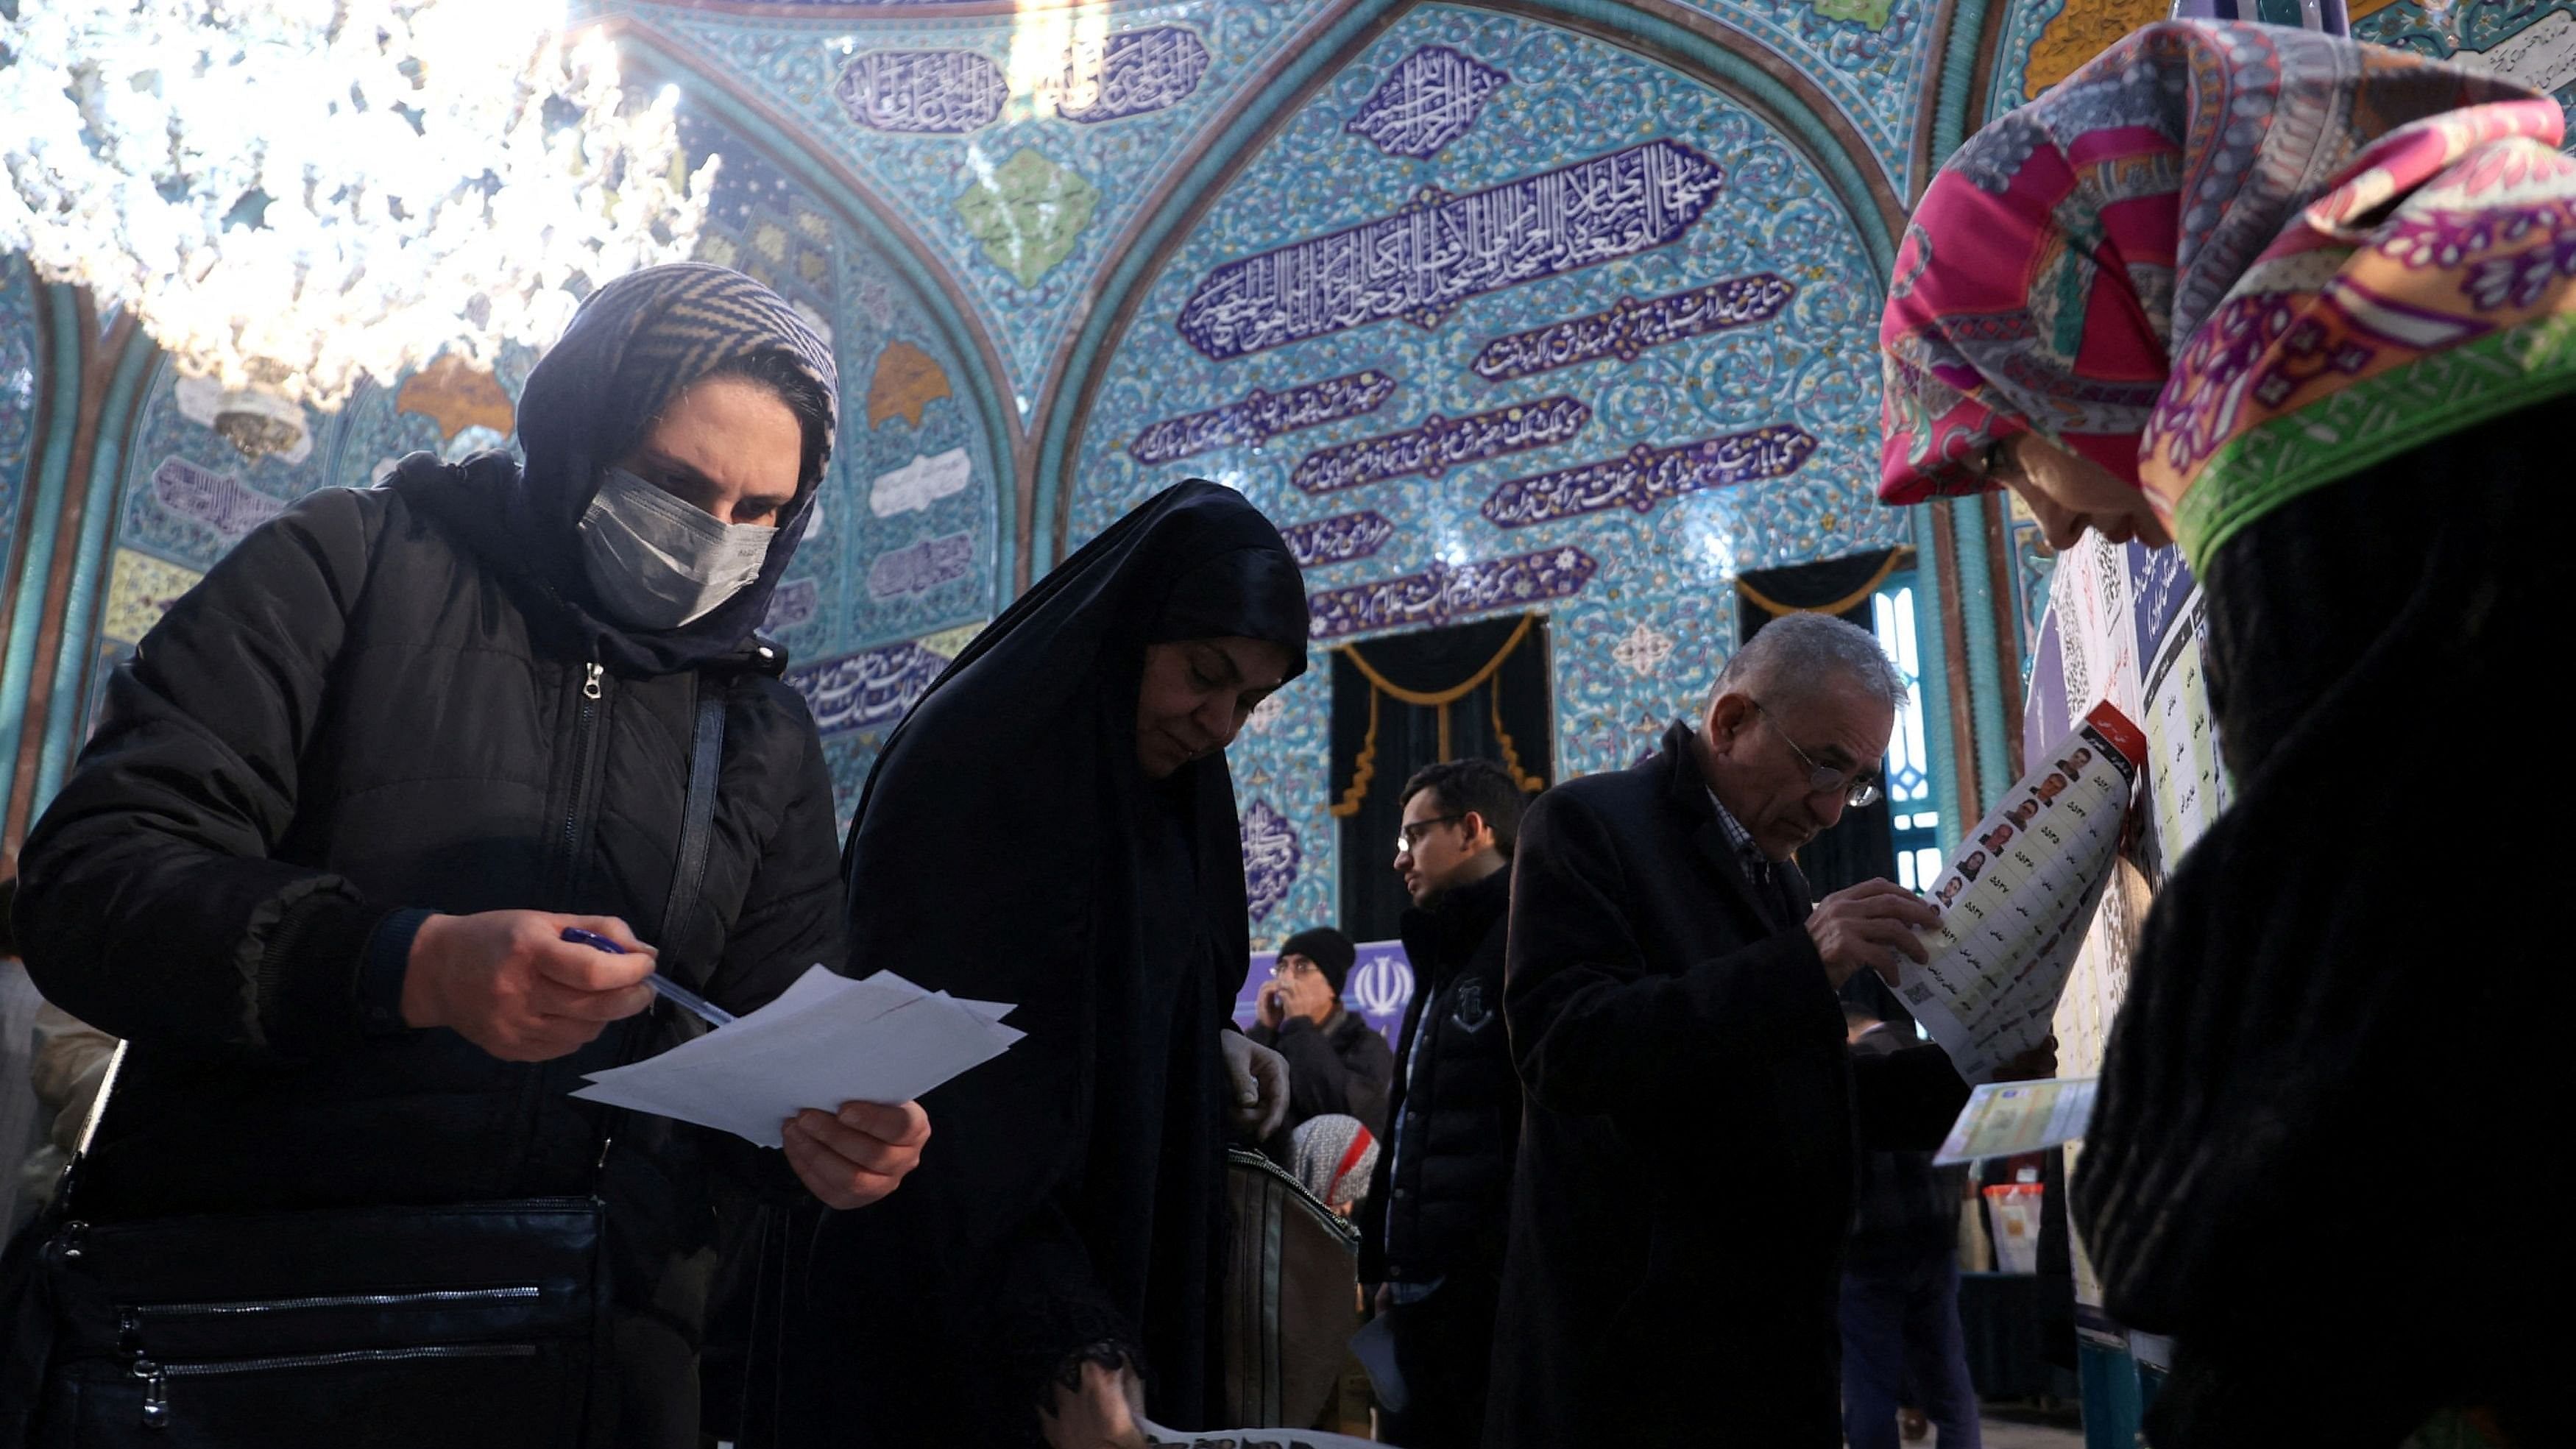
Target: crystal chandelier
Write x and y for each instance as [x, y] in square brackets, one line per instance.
[292, 195]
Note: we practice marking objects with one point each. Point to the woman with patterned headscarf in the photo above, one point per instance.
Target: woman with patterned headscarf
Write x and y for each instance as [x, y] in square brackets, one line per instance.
[2307, 308]
[317, 864]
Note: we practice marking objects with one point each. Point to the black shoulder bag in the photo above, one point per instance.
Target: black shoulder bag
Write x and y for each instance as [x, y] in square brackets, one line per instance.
[482, 1324]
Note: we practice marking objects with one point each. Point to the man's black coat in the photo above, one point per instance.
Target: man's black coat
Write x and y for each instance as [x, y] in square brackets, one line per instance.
[1685, 1177]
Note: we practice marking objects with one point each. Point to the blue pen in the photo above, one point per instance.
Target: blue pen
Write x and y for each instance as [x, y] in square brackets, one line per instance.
[669, 989]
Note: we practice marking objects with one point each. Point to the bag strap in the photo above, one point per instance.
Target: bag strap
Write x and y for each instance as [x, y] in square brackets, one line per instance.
[697, 827]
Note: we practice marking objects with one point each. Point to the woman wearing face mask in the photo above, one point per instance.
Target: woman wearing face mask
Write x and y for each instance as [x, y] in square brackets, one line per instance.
[317, 862]
[2306, 305]
[1054, 825]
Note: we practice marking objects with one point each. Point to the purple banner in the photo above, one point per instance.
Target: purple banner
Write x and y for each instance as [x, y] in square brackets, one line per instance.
[1262, 416]
[1423, 261]
[917, 568]
[1431, 99]
[1645, 476]
[871, 687]
[1339, 539]
[1272, 857]
[1438, 444]
[1132, 73]
[1629, 327]
[1441, 592]
[922, 92]
[220, 501]
[1380, 987]
[796, 603]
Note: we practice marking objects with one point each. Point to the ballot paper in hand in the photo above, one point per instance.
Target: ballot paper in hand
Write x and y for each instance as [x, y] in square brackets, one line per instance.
[2016, 903]
[826, 1040]
[2006, 1119]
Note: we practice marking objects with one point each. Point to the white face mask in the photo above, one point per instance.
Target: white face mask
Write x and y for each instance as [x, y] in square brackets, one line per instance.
[658, 562]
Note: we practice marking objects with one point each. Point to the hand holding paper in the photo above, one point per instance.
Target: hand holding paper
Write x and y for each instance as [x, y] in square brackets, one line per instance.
[828, 1040]
[1876, 925]
[2016, 902]
[858, 1154]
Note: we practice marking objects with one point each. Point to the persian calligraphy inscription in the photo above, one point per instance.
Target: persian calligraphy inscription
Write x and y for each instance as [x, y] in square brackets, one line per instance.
[1420, 263]
[1438, 444]
[220, 501]
[922, 92]
[1444, 592]
[1338, 539]
[1432, 98]
[1261, 416]
[1131, 73]
[1628, 327]
[917, 568]
[1646, 475]
[871, 687]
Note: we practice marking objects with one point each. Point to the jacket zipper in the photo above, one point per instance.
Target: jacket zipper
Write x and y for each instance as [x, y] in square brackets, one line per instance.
[585, 720]
[516, 1292]
[156, 1375]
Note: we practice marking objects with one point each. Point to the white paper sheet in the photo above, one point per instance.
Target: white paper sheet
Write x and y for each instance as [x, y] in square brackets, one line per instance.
[2003, 1119]
[826, 1040]
[1156, 1434]
[2016, 902]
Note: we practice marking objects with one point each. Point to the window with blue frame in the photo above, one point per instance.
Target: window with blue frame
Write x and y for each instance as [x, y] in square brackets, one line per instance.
[1912, 817]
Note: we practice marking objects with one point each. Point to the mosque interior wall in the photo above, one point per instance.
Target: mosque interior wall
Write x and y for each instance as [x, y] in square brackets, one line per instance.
[1542, 305]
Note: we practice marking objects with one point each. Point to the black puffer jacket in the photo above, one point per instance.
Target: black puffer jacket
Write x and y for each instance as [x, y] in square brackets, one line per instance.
[355, 714]
[1441, 1201]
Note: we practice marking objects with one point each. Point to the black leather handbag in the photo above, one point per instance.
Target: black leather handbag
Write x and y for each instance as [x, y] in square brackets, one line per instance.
[484, 1324]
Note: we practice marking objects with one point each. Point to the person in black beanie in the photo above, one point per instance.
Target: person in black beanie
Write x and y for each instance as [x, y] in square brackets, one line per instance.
[1337, 1062]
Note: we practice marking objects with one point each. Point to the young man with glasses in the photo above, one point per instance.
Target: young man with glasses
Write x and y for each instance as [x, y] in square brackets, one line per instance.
[1685, 1175]
[1439, 1212]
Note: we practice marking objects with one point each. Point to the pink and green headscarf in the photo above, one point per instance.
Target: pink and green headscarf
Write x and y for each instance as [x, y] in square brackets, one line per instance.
[2142, 265]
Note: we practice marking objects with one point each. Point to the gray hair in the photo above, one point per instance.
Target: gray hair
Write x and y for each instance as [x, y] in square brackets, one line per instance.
[1796, 653]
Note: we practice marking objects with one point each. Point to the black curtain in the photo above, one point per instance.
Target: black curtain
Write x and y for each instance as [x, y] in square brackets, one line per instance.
[1862, 845]
[1491, 679]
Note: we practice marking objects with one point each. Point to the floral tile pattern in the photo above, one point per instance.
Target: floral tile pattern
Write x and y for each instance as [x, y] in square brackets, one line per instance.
[1738, 415]
[1090, 117]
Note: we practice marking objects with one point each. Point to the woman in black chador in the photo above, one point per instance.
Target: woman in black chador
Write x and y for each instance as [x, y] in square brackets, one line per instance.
[1054, 825]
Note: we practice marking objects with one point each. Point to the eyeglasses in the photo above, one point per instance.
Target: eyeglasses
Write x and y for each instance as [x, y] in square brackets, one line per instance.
[1858, 791]
[1289, 967]
[1411, 835]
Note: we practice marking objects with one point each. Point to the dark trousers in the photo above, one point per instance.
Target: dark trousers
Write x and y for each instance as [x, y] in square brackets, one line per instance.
[1901, 1327]
[1444, 1348]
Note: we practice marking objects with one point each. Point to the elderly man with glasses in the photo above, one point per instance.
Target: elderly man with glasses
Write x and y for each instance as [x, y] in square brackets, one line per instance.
[1687, 1151]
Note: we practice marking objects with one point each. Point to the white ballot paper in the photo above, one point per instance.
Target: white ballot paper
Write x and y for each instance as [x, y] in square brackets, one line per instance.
[1156, 1434]
[2016, 903]
[2004, 1119]
[826, 1040]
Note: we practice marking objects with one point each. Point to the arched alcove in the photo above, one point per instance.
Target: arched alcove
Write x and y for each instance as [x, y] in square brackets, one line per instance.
[1717, 409]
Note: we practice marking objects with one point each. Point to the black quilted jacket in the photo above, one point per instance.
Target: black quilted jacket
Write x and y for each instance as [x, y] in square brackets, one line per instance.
[352, 716]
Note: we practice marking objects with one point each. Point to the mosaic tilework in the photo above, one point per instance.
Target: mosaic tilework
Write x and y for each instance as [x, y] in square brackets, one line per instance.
[18, 343]
[1643, 619]
[904, 542]
[2044, 41]
[1429, 100]
[1868, 56]
[1275, 764]
[2531, 43]
[909, 519]
[190, 495]
[1113, 142]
